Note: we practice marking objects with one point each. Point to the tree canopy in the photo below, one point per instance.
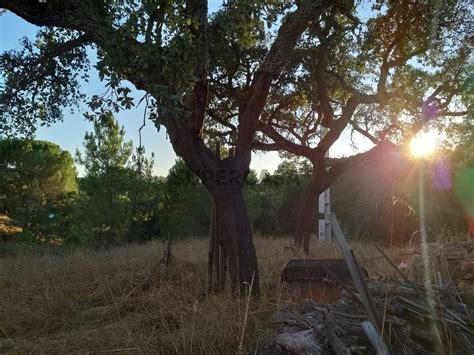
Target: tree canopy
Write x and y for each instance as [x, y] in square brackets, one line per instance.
[35, 176]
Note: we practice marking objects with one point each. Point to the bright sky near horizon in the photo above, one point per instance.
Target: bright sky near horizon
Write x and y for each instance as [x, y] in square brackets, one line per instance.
[69, 134]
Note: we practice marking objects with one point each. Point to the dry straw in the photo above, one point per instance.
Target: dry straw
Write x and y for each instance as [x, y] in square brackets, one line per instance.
[121, 301]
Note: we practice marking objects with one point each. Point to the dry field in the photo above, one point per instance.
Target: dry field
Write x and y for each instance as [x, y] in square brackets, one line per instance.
[122, 300]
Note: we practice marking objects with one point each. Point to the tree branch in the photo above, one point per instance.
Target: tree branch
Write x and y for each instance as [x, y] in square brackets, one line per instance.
[337, 167]
[223, 121]
[339, 125]
[266, 147]
[290, 31]
[321, 68]
[364, 133]
[283, 143]
[62, 48]
[385, 67]
[83, 15]
[456, 114]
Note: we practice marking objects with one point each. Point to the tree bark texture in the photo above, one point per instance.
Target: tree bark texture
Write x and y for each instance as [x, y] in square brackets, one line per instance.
[325, 175]
[235, 236]
[307, 212]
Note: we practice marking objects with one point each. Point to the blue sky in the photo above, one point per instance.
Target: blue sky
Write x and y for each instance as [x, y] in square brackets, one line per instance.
[69, 134]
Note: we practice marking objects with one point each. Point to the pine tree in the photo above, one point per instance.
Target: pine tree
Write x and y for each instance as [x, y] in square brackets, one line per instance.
[104, 204]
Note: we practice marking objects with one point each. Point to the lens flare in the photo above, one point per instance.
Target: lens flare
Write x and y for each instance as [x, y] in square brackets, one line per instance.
[423, 144]
[464, 189]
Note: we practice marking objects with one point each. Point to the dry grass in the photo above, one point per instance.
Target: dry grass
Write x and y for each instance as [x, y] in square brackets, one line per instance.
[119, 301]
[6, 227]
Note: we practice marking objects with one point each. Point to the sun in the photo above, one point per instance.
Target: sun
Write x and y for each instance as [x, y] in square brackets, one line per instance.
[423, 144]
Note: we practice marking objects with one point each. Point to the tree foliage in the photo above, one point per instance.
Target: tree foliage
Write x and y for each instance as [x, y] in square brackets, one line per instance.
[37, 178]
[38, 84]
[105, 148]
[185, 205]
[117, 202]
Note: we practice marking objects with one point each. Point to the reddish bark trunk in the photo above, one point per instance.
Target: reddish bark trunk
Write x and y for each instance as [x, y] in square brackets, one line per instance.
[322, 178]
[235, 235]
[308, 210]
[224, 181]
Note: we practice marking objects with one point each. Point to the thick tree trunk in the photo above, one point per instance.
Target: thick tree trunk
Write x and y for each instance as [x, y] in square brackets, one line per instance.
[235, 235]
[308, 210]
[322, 178]
[224, 181]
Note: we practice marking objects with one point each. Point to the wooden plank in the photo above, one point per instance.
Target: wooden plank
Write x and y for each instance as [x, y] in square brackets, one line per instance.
[375, 338]
[356, 273]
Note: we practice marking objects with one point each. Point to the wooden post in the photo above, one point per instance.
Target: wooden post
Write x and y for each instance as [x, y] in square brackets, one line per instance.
[324, 205]
[374, 338]
[210, 259]
[222, 267]
[217, 258]
[216, 253]
[217, 238]
[356, 274]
